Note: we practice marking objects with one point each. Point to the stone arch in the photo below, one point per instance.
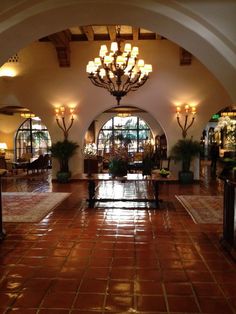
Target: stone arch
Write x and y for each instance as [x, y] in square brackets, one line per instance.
[175, 21]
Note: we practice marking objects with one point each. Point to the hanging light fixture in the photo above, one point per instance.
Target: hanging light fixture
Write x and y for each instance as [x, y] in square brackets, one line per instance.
[27, 115]
[118, 72]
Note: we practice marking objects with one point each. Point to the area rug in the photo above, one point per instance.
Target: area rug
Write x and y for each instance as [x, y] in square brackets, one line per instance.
[29, 207]
[203, 209]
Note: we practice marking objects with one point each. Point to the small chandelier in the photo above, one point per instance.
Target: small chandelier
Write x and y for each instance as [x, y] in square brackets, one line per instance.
[118, 72]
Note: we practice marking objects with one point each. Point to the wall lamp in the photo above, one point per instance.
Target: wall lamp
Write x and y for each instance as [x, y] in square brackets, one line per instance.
[188, 118]
[61, 113]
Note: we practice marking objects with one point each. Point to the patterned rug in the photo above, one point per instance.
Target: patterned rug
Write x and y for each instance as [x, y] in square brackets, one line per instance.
[29, 207]
[203, 209]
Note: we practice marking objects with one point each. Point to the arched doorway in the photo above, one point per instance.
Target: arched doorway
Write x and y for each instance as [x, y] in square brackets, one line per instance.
[129, 127]
[221, 129]
[131, 131]
[32, 139]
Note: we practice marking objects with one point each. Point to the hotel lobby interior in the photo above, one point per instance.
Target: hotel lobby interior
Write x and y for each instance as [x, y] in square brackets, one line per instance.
[131, 251]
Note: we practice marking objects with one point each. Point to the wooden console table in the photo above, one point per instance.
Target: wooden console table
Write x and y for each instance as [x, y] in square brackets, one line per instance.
[94, 179]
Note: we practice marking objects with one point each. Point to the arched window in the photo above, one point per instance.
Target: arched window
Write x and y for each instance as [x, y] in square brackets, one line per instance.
[32, 138]
[131, 131]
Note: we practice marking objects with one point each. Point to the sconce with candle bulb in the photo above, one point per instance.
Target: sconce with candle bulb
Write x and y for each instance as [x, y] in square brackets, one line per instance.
[188, 119]
[61, 113]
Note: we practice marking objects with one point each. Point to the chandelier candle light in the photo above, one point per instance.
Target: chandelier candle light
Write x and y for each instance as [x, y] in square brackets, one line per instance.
[118, 72]
[27, 115]
[60, 118]
[190, 112]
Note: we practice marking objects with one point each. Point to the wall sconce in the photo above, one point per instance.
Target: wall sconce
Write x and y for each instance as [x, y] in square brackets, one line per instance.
[3, 147]
[189, 113]
[60, 118]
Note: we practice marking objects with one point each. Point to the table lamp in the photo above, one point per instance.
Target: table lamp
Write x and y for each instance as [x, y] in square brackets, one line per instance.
[3, 147]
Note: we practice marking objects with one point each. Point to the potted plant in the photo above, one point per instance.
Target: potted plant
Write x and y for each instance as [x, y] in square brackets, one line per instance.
[118, 165]
[63, 151]
[185, 150]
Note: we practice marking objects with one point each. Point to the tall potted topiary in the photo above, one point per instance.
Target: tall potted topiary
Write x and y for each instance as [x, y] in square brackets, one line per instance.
[63, 151]
[185, 150]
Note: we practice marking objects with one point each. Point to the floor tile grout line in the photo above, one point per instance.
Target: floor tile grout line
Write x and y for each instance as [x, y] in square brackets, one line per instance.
[213, 276]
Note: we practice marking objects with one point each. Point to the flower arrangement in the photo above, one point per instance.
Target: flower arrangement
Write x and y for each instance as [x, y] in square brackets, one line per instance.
[119, 153]
[164, 173]
[228, 126]
[118, 161]
[90, 151]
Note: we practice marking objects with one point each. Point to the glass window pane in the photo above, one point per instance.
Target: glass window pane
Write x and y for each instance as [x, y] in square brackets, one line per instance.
[131, 131]
[32, 138]
[143, 124]
[108, 125]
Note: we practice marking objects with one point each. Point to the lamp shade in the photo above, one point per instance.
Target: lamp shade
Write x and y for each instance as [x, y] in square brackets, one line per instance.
[3, 146]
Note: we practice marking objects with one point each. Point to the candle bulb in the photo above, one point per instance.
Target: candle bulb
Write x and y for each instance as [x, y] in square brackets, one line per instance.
[178, 109]
[62, 111]
[57, 112]
[186, 108]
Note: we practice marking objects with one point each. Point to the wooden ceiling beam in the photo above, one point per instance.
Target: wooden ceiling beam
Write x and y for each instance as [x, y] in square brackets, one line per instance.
[185, 57]
[147, 36]
[61, 42]
[158, 37]
[112, 32]
[88, 31]
[136, 32]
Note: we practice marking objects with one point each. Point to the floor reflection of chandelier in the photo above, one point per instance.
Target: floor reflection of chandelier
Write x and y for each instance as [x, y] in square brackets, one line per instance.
[118, 72]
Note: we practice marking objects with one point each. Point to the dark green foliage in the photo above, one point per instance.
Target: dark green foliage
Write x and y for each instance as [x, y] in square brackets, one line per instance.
[184, 150]
[63, 151]
[118, 167]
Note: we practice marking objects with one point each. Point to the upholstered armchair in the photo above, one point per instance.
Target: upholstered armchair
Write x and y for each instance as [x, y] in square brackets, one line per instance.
[39, 164]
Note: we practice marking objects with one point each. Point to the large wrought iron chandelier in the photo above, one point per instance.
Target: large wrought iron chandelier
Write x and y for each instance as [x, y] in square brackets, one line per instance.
[118, 71]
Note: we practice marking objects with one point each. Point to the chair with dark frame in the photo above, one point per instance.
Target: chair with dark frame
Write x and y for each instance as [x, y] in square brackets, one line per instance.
[3, 163]
[39, 164]
[165, 163]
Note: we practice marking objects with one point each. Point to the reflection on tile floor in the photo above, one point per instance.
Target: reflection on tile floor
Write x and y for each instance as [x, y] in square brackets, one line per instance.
[125, 195]
[116, 260]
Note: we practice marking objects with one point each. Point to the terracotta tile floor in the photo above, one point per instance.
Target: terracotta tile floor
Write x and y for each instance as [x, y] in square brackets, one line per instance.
[115, 260]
